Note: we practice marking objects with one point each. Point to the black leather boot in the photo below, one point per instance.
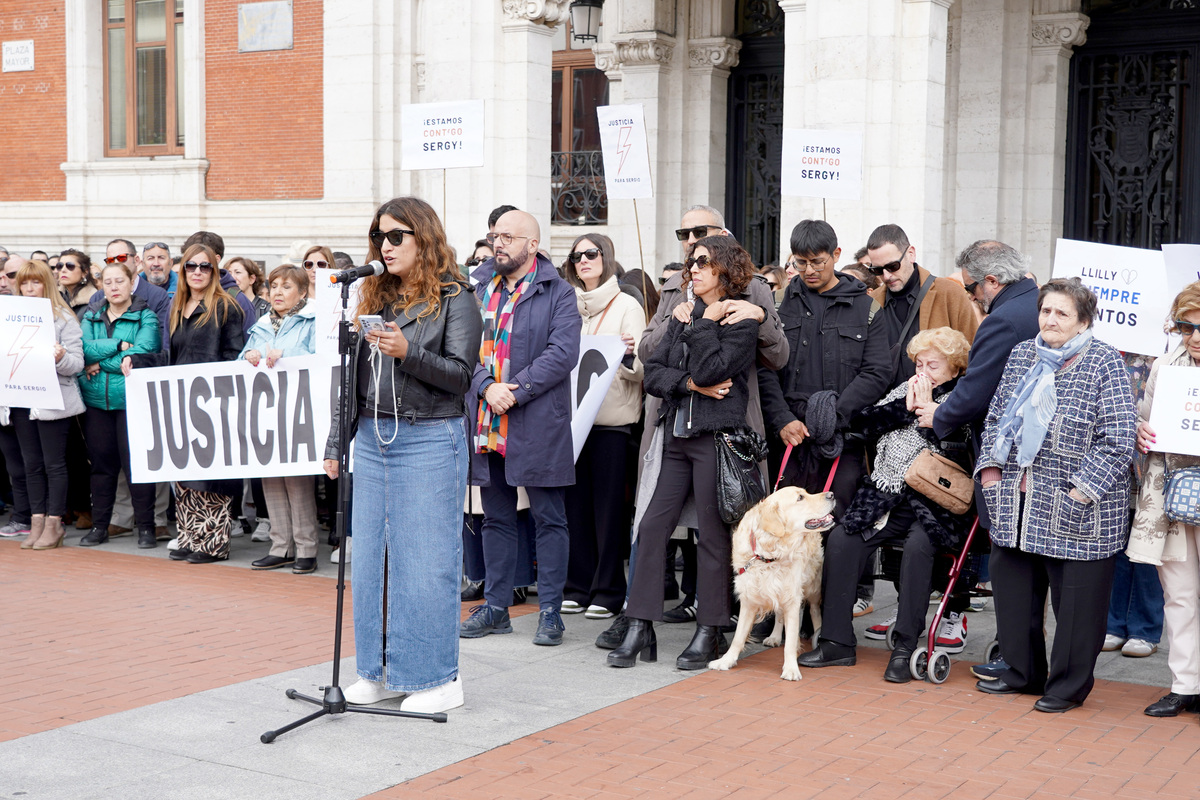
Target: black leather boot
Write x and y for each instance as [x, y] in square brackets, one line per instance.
[146, 539]
[898, 670]
[708, 644]
[639, 638]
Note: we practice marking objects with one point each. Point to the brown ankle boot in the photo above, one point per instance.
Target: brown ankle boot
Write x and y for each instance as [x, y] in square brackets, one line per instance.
[37, 527]
[52, 536]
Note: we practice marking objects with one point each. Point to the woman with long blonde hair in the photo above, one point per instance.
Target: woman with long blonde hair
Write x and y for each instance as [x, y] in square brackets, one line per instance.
[206, 325]
[410, 461]
[42, 432]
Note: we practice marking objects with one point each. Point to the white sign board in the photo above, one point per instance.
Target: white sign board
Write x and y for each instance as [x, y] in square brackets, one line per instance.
[1131, 290]
[27, 375]
[228, 419]
[819, 163]
[329, 310]
[626, 158]
[599, 357]
[1182, 263]
[18, 56]
[1175, 416]
[265, 26]
[441, 135]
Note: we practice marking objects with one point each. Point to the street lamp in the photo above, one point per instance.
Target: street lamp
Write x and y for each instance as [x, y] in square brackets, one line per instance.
[585, 19]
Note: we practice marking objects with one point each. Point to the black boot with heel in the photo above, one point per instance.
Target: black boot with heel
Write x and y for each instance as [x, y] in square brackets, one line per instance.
[708, 644]
[639, 638]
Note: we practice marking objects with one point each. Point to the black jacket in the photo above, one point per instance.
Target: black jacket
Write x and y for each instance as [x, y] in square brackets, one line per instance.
[431, 381]
[220, 340]
[709, 353]
[847, 354]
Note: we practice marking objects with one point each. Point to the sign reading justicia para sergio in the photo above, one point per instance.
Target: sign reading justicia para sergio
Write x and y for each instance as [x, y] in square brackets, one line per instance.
[27, 375]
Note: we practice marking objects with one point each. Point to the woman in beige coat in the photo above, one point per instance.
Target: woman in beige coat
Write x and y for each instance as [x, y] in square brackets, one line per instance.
[598, 509]
[1172, 546]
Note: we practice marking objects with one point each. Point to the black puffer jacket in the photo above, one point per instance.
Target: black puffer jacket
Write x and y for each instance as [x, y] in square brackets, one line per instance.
[709, 353]
[432, 380]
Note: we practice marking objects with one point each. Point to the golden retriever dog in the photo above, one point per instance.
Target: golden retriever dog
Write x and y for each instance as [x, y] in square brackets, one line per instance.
[777, 558]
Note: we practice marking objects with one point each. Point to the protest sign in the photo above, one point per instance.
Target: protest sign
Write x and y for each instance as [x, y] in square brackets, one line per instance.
[1131, 290]
[27, 354]
[441, 135]
[329, 310]
[626, 159]
[228, 419]
[1175, 416]
[599, 357]
[820, 163]
[1182, 263]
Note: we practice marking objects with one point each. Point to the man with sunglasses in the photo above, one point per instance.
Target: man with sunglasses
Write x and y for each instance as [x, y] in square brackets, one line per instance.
[156, 267]
[125, 252]
[940, 301]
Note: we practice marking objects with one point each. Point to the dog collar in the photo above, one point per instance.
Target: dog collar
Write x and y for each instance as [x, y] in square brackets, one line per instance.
[754, 556]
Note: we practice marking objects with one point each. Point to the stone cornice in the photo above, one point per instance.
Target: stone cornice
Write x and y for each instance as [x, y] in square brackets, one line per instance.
[543, 12]
[716, 52]
[1059, 31]
[651, 51]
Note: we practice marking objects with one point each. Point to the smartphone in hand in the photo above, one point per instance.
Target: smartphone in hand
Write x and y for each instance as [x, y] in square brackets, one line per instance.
[369, 323]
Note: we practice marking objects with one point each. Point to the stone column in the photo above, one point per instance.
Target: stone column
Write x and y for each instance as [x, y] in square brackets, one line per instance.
[1056, 29]
[522, 116]
[795, 63]
[706, 119]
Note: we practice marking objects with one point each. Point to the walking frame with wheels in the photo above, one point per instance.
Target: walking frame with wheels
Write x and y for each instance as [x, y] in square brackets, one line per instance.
[334, 701]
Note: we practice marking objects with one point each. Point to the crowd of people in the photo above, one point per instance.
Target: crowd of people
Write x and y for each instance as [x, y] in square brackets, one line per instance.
[852, 376]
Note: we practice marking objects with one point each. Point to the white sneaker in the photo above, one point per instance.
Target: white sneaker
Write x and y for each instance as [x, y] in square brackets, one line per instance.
[952, 633]
[439, 698]
[863, 606]
[263, 532]
[366, 692]
[1112, 642]
[570, 607]
[598, 612]
[336, 556]
[173, 544]
[1139, 648]
[879, 630]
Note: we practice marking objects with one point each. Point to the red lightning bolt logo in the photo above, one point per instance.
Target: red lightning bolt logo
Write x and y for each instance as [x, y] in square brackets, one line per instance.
[623, 145]
[22, 347]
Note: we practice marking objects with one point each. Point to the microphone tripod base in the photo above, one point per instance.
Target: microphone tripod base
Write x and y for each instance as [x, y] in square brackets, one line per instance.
[334, 702]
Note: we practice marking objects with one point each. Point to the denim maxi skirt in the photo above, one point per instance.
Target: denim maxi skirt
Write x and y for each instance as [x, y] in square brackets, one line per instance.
[407, 519]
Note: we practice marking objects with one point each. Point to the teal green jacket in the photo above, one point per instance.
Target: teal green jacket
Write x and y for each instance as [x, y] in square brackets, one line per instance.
[102, 345]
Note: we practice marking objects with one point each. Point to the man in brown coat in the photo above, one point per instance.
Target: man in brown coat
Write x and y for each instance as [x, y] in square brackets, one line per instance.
[944, 304]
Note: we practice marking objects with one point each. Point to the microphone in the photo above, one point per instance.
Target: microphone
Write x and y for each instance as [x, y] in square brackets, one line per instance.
[354, 273]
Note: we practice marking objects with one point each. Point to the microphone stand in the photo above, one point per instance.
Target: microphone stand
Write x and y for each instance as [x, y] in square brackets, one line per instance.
[334, 702]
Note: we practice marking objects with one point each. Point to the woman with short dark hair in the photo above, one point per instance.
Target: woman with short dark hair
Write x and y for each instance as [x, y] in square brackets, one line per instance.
[697, 352]
[1054, 463]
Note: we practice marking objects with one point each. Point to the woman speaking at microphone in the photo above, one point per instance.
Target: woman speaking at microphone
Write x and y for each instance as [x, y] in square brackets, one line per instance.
[410, 462]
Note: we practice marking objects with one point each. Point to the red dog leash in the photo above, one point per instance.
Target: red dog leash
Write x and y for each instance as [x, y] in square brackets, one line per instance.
[783, 465]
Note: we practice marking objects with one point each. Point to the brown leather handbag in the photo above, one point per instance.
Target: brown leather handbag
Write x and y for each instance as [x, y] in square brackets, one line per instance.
[942, 481]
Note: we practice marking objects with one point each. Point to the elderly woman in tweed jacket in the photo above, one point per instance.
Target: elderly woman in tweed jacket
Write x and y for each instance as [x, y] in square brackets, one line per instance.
[1054, 463]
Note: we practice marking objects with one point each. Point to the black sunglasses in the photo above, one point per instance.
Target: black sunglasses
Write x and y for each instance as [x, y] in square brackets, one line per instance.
[475, 261]
[12, 276]
[700, 231]
[698, 261]
[892, 267]
[577, 256]
[1186, 329]
[316, 264]
[971, 287]
[156, 246]
[198, 266]
[394, 236]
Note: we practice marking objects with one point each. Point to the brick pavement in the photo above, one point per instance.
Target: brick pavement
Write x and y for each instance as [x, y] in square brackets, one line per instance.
[88, 633]
[838, 733]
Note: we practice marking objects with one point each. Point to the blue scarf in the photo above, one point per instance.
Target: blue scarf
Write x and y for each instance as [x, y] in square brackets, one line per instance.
[1027, 417]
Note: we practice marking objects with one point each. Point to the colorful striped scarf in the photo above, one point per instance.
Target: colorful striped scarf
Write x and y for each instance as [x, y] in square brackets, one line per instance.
[491, 434]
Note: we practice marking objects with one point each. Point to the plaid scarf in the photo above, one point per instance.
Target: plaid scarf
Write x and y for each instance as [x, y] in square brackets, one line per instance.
[491, 434]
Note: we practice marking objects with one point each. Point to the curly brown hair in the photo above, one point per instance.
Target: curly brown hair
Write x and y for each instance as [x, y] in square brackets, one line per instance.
[732, 263]
[435, 270]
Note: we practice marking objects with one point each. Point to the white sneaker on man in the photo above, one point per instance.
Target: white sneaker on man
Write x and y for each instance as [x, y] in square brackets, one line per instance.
[1138, 648]
[1112, 642]
[952, 634]
[439, 698]
[263, 532]
[366, 692]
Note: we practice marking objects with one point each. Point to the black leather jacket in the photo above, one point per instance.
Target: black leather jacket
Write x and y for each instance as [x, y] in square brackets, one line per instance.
[431, 381]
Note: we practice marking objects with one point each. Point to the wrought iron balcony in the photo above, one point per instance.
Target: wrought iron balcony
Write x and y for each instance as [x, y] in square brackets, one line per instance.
[577, 194]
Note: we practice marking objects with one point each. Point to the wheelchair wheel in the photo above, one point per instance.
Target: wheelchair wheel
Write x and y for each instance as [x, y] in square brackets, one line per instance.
[917, 665]
[939, 668]
[992, 652]
[890, 638]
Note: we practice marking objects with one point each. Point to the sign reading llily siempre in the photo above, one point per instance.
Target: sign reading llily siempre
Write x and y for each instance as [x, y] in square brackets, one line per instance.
[818, 163]
[626, 158]
[27, 375]
[441, 135]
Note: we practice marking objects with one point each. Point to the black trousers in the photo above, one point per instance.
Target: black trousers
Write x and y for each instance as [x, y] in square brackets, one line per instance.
[79, 469]
[108, 446]
[687, 464]
[44, 448]
[1079, 592]
[598, 520]
[811, 477]
[10, 446]
[845, 556]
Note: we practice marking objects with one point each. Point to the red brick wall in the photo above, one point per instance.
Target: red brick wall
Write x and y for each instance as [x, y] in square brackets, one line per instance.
[33, 125]
[264, 110]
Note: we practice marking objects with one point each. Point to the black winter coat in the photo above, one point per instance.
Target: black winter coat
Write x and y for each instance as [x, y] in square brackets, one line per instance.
[709, 353]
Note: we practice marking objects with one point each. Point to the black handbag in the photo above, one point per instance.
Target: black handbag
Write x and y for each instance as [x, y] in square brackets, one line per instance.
[739, 483]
